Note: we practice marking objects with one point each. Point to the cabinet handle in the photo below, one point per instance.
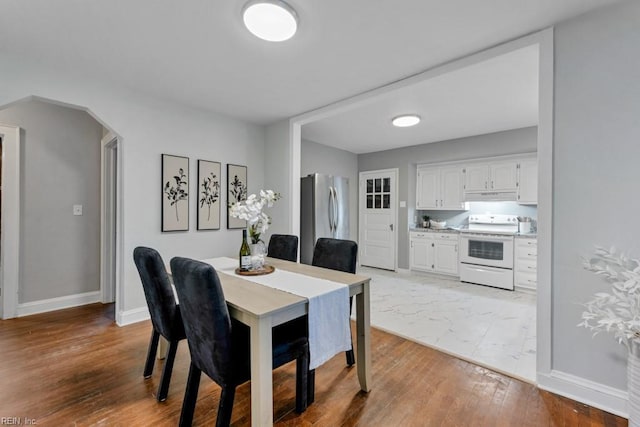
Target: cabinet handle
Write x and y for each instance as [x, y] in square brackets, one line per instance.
[441, 203]
[433, 245]
[485, 185]
[530, 268]
[491, 184]
[531, 254]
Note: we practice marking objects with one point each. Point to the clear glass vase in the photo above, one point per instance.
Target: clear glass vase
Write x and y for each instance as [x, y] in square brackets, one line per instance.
[258, 254]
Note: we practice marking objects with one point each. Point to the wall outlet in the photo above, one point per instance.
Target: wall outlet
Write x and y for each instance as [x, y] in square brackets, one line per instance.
[77, 210]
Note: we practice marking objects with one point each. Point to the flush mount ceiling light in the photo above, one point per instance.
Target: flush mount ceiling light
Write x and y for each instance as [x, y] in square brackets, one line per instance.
[406, 120]
[271, 20]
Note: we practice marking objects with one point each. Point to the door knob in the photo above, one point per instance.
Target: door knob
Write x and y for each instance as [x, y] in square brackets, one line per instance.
[391, 227]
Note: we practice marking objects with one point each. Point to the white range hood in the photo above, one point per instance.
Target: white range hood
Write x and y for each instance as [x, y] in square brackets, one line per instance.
[491, 196]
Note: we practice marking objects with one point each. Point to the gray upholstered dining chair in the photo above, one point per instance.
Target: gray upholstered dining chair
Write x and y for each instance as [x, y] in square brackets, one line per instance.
[283, 246]
[341, 255]
[220, 345]
[165, 313]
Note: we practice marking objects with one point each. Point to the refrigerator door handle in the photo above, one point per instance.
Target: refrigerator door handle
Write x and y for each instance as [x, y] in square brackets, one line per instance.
[331, 209]
[335, 209]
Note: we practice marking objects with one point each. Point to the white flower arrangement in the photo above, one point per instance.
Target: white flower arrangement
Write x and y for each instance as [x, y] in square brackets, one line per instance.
[251, 211]
[619, 310]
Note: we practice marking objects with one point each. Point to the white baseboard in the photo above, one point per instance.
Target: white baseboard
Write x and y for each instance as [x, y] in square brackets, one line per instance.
[136, 315]
[59, 303]
[594, 394]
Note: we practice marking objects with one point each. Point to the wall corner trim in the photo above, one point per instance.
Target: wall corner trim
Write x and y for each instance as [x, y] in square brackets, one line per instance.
[594, 394]
[128, 317]
[58, 303]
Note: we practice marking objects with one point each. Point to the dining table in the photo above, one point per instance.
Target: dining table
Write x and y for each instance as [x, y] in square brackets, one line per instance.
[262, 307]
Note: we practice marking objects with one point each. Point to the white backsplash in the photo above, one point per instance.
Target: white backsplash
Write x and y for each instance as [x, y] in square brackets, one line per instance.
[459, 218]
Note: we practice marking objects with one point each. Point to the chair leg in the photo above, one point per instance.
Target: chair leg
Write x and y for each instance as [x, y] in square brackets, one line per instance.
[302, 382]
[351, 359]
[226, 406]
[311, 386]
[163, 388]
[151, 354]
[190, 397]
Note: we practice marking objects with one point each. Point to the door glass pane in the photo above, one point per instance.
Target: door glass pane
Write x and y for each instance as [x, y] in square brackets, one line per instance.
[369, 201]
[378, 201]
[486, 250]
[378, 185]
[386, 185]
[369, 186]
[385, 201]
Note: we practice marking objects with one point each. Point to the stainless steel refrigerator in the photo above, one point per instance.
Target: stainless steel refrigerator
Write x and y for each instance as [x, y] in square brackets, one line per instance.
[324, 211]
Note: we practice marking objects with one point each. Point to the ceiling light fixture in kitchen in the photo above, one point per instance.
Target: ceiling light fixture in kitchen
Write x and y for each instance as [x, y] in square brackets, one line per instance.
[406, 120]
[271, 20]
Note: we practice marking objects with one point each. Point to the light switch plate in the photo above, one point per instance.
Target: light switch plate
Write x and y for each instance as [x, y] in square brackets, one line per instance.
[403, 203]
[77, 209]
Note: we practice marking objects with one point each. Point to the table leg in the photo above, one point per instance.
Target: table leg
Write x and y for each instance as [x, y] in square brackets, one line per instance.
[363, 335]
[261, 373]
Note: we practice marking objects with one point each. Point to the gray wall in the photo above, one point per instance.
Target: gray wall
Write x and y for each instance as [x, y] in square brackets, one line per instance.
[60, 252]
[333, 161]
[148, 127]
[596, 175]
[405, 159]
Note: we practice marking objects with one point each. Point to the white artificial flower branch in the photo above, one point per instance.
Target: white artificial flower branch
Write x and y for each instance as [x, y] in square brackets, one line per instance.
[251, 211]
[617, 311]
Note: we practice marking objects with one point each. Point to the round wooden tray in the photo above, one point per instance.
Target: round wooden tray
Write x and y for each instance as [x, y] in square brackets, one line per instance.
[267, 269]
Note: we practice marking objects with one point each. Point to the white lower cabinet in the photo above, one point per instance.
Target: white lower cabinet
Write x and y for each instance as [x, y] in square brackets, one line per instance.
[434, 252]
[525, 268]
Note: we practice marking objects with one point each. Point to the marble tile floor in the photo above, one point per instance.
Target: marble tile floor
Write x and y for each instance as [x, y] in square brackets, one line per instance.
[491, 327]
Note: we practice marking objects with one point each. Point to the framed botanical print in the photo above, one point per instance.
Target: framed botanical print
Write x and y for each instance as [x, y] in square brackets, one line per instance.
[209, 183]
[236, 192]
[175, 193]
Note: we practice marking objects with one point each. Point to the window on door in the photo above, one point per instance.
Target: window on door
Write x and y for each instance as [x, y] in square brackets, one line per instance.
[378, 193]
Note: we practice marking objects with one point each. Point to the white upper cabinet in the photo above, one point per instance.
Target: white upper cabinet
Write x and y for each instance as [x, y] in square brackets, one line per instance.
[528, 182]
[439, 188]
[449, 186]
[428, 188]
[504, 176]
[476, 178]
[498, 176]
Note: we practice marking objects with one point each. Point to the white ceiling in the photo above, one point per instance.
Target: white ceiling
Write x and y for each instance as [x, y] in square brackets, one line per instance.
[196, 52]
[491, 96]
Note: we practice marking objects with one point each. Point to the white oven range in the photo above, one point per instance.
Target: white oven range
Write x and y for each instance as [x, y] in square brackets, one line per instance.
[486, 250]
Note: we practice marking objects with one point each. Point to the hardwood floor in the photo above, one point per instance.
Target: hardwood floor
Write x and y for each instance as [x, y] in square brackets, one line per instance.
[76, 367]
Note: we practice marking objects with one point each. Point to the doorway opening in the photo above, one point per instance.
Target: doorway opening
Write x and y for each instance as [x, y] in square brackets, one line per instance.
[109, 218]
[72, 166]
[541, 358]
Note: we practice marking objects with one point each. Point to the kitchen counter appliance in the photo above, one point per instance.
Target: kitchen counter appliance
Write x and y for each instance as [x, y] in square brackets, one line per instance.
[486, 250]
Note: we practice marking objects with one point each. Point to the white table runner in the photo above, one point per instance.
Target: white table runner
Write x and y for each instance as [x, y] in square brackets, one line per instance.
[329, 330]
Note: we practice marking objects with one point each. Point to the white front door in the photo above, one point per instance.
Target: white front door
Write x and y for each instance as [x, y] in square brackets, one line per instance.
[378, 218]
